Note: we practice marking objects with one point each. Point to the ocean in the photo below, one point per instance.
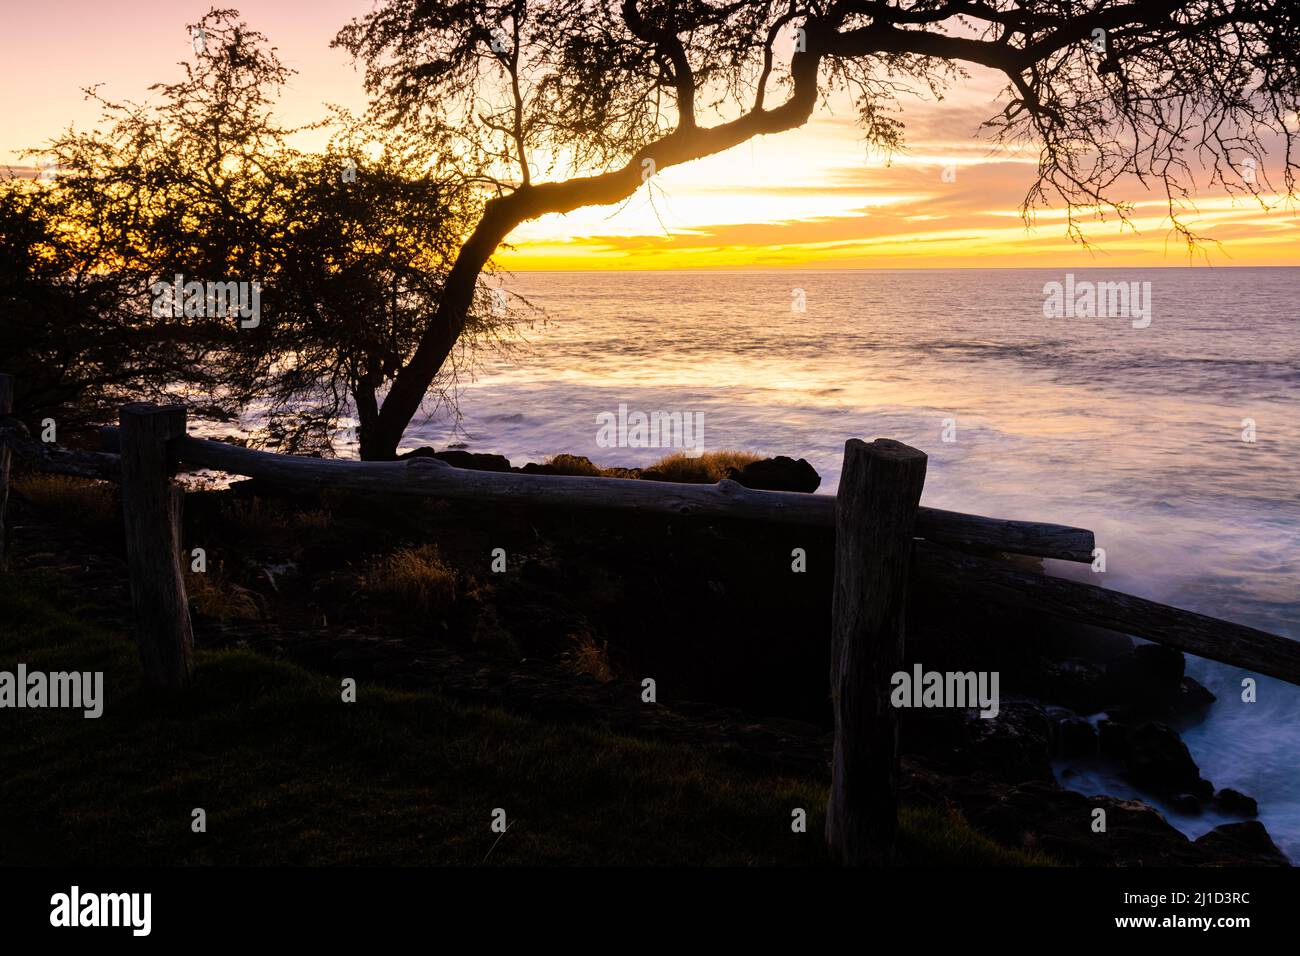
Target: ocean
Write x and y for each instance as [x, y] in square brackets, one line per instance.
[1172, 431]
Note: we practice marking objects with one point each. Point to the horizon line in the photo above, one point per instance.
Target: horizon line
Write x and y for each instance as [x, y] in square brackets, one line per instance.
[898, 268]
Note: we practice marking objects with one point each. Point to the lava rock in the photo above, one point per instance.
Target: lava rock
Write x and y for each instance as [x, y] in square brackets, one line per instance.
[1074, 682]
[1234, 801]
[1072, 736]
[461, 459]
[778, 474]
[1014, 745]
[1039, 815]
[1246, 843]
[1155, 757]
[1148, 679]
[1186, 803]
[424, 451]
[579, 465]
[1112, 737]
[1194, 696]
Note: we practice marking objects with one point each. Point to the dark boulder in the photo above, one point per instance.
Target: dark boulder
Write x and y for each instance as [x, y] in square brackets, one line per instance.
[1074, 682]
[424, 451]
[1234, 801]
[1039, 815]
[1156, 758]
[778, 474]
[577, 465]
[1072, 735]
[1246, 844]
[1148, 679]
[1112, 736]
[1193, 696]
[1096, 644]
[1186, 803]
[461, 459]
[1012, 746]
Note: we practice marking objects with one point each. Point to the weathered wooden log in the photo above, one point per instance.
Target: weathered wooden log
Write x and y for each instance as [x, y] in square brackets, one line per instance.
[52, 459]
[151, 509]
[726, 499]
[1235, 644]
[875, 518]
[1034, 538]
[6, 460]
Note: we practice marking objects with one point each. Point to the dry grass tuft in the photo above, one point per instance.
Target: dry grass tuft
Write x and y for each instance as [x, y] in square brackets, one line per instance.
[417, 579]
[253, 515]
[588, 656]
[574, 465]
[705, 470]
[84, 501]
[213, 596]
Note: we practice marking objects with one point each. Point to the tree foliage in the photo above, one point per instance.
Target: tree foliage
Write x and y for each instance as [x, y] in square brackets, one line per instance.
[570, 102]
[348, 244]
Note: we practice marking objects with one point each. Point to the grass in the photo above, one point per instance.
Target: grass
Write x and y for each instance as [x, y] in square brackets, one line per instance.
[287, 773]
[417, 580]
[588, 655]
[574, 465]
[708, 468]
[212, 595]
[83, 502]
[258, 516]
[929, 834]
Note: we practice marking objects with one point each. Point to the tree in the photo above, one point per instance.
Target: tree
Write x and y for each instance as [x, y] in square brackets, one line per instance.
[575, 102]
[76, 333]
[347, 247]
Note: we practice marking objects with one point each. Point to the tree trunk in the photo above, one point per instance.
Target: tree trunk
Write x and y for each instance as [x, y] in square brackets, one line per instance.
[363, 396]
[403, 400]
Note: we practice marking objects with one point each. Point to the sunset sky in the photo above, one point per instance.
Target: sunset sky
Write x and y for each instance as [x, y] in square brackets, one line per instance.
[810, 198]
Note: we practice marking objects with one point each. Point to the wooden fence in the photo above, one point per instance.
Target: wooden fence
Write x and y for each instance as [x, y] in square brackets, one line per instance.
[882, 535]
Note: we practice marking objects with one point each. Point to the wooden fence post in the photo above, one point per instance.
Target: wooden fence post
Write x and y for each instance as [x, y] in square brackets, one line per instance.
[151, 511]
[880, 487]
[6, 460]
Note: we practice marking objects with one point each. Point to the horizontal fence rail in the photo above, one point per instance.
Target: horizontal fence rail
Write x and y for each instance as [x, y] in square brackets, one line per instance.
[1198, 634]
[60, 461]
[726, 499]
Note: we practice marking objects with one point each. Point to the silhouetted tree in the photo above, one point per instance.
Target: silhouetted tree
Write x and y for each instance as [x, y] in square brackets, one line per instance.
[349, 247]
[575, 102]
